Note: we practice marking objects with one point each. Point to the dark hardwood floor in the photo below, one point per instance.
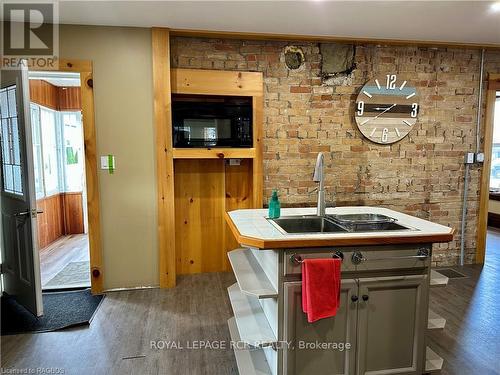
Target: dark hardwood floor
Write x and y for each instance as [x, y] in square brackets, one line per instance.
[470, 341]
[119, 338]
[125, 325]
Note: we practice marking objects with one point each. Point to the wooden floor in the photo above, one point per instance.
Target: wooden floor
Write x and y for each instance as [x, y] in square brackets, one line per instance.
[126, 323]
[56, 256]
[119, 338]
[470, 341]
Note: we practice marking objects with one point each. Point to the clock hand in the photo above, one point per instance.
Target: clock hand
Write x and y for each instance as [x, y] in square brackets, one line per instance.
[380, 114]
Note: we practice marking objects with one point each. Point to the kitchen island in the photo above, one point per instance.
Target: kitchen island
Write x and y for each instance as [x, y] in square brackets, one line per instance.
[380, 325]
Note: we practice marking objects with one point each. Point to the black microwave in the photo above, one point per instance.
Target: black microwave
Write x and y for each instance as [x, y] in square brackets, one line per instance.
[211, 121]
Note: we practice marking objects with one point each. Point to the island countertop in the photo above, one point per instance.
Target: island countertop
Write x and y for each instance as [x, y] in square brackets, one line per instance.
[252, 228]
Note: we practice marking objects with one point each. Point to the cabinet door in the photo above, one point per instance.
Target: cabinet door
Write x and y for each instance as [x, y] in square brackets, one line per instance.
[391, 325]
[337, 330]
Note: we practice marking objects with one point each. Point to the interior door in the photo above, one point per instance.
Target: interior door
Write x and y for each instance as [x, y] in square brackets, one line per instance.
[304, 359]
[20, 261]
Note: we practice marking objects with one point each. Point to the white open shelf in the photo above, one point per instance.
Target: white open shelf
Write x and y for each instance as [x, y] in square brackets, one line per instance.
[249, 361]
[253, 326]
[251, 278]
[433, 362]
[435, 321]
[438, 279]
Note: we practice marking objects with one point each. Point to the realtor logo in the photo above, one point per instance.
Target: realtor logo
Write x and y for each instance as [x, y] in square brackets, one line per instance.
[29, 33]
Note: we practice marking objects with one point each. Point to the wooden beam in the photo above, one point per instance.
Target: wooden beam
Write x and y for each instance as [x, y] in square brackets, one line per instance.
[216, 82]
[484, 189]
[92, 181]
[164, 156]
[494, 82]
[214, 153]
[258, 179]
[324, 38]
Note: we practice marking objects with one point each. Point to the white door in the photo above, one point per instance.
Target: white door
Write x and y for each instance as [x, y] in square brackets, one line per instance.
[20, 261]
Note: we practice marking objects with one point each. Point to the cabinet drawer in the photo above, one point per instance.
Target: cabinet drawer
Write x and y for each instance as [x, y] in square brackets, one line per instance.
[363, 258]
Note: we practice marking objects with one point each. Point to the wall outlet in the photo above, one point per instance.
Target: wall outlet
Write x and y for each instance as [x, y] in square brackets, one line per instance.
[480, 157]
[469, 158]
[234, 161]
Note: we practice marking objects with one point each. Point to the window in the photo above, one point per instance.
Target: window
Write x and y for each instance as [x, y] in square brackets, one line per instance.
[10, 142]
[57, 150]
[495, 157]
[49, 151]
[73, 151]
[37, 151]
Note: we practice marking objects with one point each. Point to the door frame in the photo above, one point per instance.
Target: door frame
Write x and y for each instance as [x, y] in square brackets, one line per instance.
[84, 67]
[482, 227]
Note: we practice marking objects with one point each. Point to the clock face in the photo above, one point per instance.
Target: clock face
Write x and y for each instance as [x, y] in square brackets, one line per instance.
[386, 109]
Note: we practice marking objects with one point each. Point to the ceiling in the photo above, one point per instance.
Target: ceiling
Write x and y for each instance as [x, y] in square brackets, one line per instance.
[61, 79]
[443, 21]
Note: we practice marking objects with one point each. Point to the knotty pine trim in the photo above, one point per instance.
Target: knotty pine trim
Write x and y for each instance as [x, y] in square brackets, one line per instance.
[164, 156]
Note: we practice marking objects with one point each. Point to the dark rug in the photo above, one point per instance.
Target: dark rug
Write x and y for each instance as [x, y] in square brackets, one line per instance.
[451, 273]
[60, 310]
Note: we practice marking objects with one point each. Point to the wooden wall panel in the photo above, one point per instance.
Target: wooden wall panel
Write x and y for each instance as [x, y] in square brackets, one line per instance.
[62, 215]
[54, 97]
[239, 193]
[43, 93]
[73, 213]
[51, 223]
[69, 99]
[199, 215]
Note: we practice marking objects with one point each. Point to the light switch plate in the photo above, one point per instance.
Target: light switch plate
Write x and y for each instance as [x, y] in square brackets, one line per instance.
[105, 162]
[480, 157]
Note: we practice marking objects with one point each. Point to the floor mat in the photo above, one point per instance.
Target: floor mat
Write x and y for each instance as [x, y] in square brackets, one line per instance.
[451, 273]
[73, 275]
[61, 310]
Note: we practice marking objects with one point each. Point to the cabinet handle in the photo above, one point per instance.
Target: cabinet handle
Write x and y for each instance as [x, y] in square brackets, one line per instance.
[365, 297]
[354, 298]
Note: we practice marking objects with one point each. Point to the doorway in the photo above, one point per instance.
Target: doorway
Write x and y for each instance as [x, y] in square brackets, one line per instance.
[488, 233]
[493, 231]
[59, 171]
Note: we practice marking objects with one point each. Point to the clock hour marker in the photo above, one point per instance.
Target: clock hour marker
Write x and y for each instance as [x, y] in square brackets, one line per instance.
[369, 95]
[410, 96]
[406, 122]
[378, 84]
[364, 122]
[402, 85]
[373, 132]
[397, 132]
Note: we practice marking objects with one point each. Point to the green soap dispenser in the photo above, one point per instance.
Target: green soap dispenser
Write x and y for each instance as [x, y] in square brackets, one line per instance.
[274, 206]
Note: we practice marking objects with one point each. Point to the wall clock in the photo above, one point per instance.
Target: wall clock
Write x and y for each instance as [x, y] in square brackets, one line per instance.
[386, 109]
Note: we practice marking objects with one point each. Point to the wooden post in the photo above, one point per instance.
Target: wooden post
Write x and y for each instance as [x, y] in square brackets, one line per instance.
[164, 156]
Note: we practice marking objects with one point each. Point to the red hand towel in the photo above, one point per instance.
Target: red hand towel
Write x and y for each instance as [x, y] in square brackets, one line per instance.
[320, 288]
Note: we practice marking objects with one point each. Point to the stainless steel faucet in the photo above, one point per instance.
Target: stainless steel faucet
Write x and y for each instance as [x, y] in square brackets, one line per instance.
[319, 177]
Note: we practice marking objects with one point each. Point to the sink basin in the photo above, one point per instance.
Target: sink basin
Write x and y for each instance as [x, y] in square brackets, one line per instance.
[306, 224]
[363, 222]
[357, 223]
[375, 227]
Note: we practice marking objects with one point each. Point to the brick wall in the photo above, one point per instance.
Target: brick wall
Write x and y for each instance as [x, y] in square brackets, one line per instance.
[421, 175]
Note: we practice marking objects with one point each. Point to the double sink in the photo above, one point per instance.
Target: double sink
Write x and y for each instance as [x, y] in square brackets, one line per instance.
[346, 223]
